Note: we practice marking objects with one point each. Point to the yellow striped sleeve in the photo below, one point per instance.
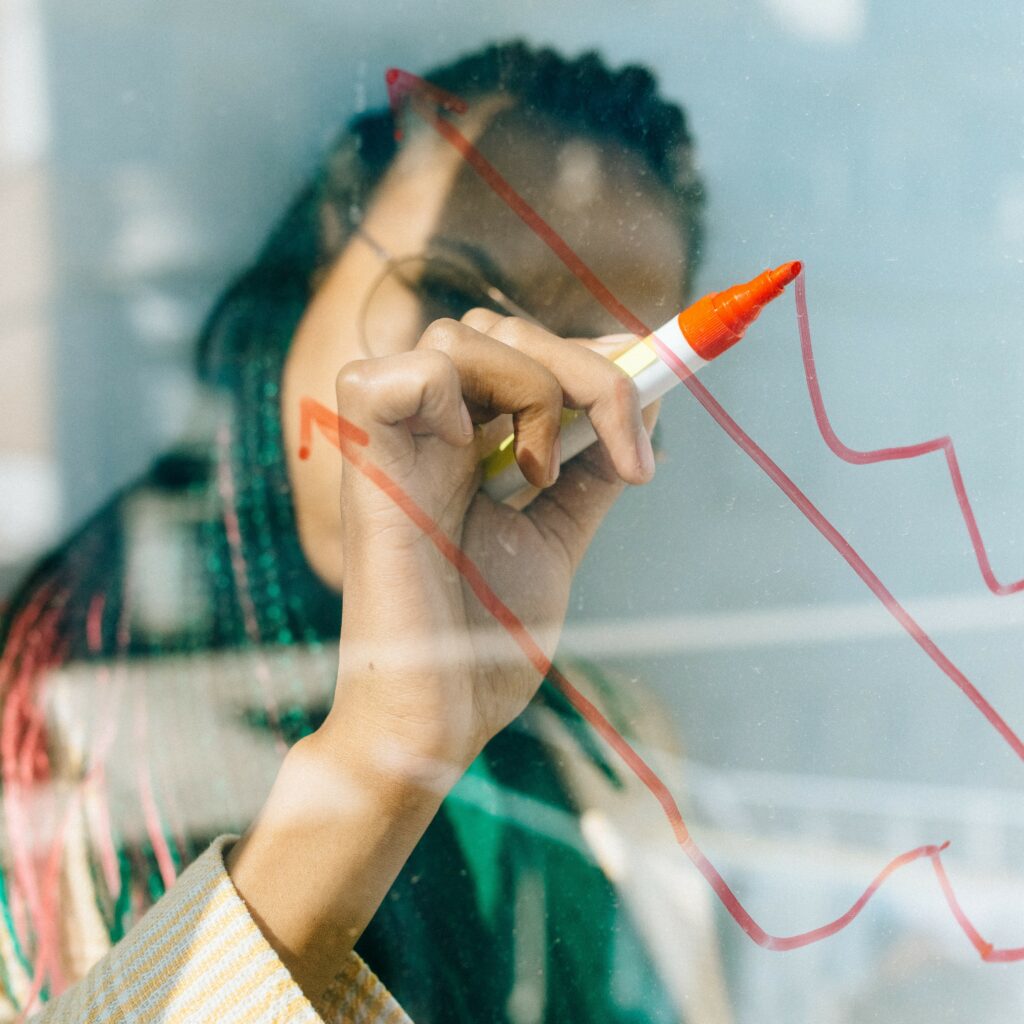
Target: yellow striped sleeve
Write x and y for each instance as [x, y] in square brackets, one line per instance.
[199, 956]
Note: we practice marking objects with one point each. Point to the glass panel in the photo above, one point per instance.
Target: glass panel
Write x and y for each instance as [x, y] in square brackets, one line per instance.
[789, 659]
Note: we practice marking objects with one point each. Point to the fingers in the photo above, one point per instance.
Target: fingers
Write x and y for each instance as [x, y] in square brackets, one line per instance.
[490, 365]
[391, 396]
[589, 381]
[570, 513]
[497, 378]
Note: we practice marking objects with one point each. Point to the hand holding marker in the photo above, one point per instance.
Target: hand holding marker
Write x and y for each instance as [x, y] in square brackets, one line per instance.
[693, 338]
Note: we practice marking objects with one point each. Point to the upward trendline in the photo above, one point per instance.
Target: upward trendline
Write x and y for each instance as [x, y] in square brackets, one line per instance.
[352, 442]
[911, 451]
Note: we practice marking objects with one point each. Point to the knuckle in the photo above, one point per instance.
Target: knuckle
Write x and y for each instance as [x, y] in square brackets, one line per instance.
[353, 377]
[441, 335]
[436, 378]
[512, 331]
[623, 387]
[479, 316]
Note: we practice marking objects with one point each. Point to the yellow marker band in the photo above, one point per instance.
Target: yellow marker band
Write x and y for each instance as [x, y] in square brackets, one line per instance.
[499, 460]
[636, 358]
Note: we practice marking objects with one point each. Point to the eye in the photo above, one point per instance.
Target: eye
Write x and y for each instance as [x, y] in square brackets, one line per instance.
[450, 291]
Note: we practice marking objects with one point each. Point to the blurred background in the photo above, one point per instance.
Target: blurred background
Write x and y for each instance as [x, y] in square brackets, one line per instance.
[145, 150]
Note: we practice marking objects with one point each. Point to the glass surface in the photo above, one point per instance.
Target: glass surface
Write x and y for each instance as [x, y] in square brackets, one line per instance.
[809, 730]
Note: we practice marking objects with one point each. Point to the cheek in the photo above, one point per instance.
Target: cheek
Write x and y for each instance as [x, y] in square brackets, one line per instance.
[316, 497]
[315, 481]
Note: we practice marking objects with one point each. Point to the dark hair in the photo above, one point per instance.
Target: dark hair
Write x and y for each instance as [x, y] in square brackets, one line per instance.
[444, 947]
[582, 94]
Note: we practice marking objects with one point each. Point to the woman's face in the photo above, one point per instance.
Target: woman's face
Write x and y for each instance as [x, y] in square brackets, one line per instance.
[601, 200]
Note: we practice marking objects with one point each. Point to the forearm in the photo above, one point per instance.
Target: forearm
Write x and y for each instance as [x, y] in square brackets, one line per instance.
[338, 826]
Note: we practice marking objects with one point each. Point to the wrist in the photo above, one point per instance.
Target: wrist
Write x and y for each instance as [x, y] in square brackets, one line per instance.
[404, 762]
[323, 852]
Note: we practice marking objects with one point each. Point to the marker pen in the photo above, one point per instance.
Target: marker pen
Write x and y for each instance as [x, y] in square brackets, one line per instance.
[699, 334]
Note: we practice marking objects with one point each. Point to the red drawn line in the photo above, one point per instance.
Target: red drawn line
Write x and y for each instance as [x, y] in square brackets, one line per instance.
[343, 433]
[493, 177]
[404, 87]
[846, 550]
[342, 437]
[910, 451]
[334, 428]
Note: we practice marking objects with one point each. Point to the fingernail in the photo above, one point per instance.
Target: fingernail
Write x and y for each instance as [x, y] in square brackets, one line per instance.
[467, 421]
[556, 461]
[645, 455]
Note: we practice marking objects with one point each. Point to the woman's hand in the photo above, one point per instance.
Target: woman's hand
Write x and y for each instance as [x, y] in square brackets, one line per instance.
[426, 676]
[425, 671]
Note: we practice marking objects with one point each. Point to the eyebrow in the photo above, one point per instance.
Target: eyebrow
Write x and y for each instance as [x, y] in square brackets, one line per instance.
[481, 259]
[484, 263]
[491, 273]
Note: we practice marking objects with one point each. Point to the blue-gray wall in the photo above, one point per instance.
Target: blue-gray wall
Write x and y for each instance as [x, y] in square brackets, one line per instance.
[881, 143]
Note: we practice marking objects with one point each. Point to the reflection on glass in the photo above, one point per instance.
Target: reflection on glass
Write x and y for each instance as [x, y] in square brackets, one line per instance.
[162, 662]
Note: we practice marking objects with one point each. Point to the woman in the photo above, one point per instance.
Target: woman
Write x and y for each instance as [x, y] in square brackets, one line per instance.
[400, 289]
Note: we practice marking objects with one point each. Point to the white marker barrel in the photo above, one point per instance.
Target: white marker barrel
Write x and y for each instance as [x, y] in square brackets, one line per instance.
[652, 376]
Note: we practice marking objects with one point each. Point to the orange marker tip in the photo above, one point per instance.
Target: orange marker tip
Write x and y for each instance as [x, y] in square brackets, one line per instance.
[787, 272]
[717, 321]
[304, 452]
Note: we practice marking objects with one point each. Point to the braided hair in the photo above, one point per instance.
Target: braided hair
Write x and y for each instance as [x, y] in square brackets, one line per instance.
[443, 940]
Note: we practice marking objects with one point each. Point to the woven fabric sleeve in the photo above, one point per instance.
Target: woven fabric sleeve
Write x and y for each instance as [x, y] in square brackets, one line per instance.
[198, 955]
